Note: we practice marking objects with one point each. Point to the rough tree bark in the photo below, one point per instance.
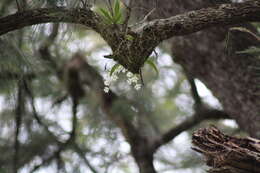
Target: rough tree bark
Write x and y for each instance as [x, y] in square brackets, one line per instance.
[214, 68]
[226, 154]
[230, 76]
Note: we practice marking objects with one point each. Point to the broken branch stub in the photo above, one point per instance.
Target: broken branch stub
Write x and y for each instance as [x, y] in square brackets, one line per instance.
[227, 154]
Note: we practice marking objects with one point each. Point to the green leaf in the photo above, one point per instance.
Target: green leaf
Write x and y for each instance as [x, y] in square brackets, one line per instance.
[129, 37]
[118, 19]
[116, 8]
[117, 13]
[252, 50]
[106, 15]
[114, 68]
[152, 64]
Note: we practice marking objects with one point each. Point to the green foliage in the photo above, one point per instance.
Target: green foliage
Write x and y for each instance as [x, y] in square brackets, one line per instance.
[252, 51]
[153, 65]
[112, 17]
[129, 37]
[113, 69]
[2, 170]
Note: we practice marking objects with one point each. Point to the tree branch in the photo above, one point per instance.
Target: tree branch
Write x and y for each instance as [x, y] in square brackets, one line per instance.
[18, 121]
[193, 21]
[194, 92]
[203, 114]
[227, 154]
[82, 155]
[160, 29]
[146, 37]
[46, 15]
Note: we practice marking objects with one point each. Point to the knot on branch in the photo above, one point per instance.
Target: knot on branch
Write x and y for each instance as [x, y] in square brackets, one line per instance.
[226, 154]
[130, 49]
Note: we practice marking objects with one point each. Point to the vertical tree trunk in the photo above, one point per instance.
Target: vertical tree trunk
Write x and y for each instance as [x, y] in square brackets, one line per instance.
[144, 161]
[142, 152]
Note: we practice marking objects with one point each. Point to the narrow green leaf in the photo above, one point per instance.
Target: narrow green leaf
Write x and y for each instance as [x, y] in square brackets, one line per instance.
[118, 19]
[117, 13]
[253, 50]
[114, 68]
[116, 8]
[151, 63]
[106, 15]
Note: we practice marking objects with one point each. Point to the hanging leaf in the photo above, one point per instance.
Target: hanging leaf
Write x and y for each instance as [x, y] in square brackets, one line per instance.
[152, 64]
[113, 69]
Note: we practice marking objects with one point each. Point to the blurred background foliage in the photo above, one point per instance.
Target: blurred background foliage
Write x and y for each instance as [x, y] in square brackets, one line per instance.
[31, 82]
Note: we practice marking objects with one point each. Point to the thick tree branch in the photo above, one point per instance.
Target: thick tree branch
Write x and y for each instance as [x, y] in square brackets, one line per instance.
[193, 21]
[203, 114]
[160, 29]
[46, 15]
[145, 38]
[149, 35]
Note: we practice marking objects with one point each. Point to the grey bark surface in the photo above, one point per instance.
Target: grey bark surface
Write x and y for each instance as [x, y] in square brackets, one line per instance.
[227, 74]
[230, 76]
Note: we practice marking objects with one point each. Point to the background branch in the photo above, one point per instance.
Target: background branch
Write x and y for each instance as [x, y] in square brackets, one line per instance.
[194, 92]
[18, 121]
[82, 155]
[195, 119]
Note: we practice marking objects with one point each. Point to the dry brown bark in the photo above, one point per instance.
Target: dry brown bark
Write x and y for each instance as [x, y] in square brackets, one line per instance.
[227, 154]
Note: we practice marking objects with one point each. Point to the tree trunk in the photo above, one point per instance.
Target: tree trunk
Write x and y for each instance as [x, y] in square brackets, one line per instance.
[229, 75]
[143, 158]
[145, 164]
[142, 151]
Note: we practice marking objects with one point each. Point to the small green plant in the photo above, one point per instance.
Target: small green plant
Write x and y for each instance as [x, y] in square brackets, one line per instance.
[153, 65]
[113, 16]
